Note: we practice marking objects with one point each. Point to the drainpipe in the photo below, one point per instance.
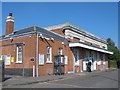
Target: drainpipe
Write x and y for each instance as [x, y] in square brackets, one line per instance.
[36, 54]
[23, 60]
[73, 61]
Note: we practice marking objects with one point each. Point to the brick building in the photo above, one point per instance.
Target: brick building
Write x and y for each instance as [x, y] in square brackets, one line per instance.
[62, 48]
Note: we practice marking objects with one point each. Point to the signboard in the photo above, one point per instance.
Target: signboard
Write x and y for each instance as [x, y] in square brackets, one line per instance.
[0, 57]
[32, 60]
[41, 59]
[66, 60]
[7, 60]
[12, 59]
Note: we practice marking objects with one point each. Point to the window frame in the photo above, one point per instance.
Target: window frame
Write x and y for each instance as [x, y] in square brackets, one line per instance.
[50, 53]
[17, 56]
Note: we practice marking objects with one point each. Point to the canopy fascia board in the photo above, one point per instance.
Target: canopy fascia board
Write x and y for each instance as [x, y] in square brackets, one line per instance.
[77, 44]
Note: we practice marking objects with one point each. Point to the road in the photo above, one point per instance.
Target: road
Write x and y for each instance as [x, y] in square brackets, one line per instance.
[91, 80]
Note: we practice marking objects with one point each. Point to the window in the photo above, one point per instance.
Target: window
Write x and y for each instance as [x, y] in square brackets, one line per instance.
[60, 51]
[98, 57]
[103, 57]
[49, 54]
[104, 63]
[76, 57]
[87, 54]
[19, 54]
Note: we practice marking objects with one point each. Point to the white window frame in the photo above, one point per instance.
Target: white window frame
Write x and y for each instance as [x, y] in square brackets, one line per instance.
[17, 61]
[47, 60]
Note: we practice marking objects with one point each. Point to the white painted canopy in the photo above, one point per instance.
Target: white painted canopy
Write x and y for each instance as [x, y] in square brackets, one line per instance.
[79, 44]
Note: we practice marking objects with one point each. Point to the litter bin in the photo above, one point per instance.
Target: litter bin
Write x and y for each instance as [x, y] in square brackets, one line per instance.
[1, 70]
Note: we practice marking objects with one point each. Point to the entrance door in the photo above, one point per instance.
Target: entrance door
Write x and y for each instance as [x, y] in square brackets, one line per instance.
[85, 61]
[95, 61]
[93, 55]
[59, 65]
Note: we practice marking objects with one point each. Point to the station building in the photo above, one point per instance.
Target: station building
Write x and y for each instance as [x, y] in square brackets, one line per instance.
[58, 49]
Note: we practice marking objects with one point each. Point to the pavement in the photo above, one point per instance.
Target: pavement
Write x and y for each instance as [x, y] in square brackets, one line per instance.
[12, 80]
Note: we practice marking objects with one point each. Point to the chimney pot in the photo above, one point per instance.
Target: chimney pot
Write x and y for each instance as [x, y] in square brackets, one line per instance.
[10, 14]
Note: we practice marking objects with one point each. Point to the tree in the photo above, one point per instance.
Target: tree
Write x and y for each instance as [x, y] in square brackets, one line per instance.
[115, 50]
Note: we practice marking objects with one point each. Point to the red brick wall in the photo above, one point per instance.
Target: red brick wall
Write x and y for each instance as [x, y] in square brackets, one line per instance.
[59, 31]
[28, 50]
[9, 27]
[55, 45]
[77, 69]
[103, 47]
[74, 39]
[87, 42]
[97, 45]
[81, 64]
[103, 66]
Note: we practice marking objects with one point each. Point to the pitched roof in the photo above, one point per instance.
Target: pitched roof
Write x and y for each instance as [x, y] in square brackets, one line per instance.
[33, 30]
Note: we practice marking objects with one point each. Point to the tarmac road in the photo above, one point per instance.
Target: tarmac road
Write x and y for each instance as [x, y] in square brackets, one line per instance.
[91, 80]
[103, 80]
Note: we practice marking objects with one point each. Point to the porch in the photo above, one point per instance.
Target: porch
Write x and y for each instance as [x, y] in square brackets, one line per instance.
[84, 53]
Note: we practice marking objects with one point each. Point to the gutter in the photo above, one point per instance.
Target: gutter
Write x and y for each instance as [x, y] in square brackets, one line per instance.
[12, 44]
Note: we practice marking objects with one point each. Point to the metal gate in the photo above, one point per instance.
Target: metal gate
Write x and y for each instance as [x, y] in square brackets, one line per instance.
[59, 68]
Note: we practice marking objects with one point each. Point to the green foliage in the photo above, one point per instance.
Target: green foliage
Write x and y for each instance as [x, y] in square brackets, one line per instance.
[116, 52]
[112, 63]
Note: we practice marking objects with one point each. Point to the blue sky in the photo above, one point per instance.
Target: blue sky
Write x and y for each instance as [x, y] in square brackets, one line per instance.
[99, 18]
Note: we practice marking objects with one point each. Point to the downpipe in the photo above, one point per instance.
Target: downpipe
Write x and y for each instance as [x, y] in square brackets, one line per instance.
[37, 56]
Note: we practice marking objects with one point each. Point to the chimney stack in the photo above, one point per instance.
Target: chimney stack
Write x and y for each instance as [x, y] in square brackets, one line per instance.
[9, 24]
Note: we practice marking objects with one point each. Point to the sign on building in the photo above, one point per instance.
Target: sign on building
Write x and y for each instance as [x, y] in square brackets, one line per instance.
[66, 60]
[41, 59]
[7, 60]
[32, 60]
[12, 59]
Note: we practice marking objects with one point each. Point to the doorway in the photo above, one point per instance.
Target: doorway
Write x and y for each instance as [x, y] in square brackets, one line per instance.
[59, 65]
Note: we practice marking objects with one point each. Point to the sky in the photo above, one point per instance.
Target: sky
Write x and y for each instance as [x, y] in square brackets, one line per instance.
[98, 18]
